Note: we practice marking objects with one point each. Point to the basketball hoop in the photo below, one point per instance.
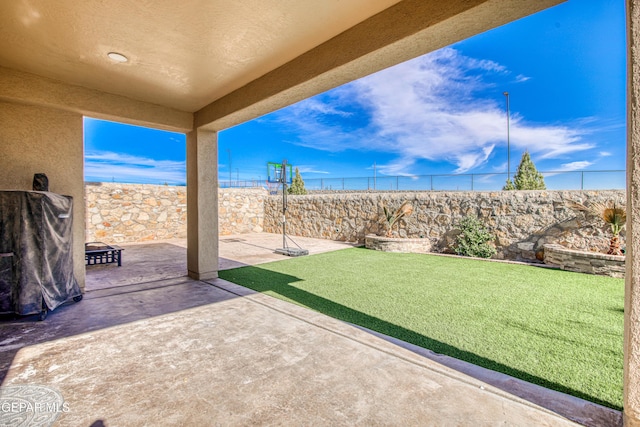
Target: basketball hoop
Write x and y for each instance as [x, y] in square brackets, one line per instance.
[275, 172]
[282, 173]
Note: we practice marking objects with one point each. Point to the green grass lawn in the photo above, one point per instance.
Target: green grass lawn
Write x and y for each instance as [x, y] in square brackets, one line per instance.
[558, 329]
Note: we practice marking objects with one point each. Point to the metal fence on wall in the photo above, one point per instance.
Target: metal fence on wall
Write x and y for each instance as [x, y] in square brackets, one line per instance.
[253, 183]
[554, 180]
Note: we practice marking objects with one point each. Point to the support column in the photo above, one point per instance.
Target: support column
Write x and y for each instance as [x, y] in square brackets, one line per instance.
[202, 204]
[632, 281]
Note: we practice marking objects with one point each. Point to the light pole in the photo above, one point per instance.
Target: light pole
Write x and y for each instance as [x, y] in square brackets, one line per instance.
[375, 175]
[506, 94]
[229, 151]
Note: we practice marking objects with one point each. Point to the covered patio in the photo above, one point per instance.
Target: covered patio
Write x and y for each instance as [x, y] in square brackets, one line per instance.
[226, 357]
[198, 68]
[189, 352]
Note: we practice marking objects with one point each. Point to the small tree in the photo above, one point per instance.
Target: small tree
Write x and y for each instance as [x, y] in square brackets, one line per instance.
[473, 239]
[527, 176]
[297, 184]
[509, 185]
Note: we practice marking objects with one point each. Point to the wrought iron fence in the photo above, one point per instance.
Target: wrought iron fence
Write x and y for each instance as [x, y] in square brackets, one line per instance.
[554, 180]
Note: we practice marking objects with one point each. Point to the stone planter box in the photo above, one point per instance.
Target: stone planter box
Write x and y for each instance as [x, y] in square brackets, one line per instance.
[397, 244]
[584, 262]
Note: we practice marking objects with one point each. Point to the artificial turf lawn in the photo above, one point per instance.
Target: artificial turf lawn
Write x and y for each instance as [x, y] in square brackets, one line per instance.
[558, 329]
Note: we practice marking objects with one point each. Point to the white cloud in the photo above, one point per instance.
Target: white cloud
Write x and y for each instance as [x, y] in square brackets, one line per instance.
[310, 169]
[605, 154]
[396, 168]
[499, 167]
[569, 167]
[316, 107]
[316, 127]
[574, 166]
[548, 141]
[107, 166]
[427, 108]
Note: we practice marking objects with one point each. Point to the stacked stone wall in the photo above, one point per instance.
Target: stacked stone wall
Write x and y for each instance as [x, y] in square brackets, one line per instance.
[521, 221]
[584, 262]
[122, 213]
[396, 244]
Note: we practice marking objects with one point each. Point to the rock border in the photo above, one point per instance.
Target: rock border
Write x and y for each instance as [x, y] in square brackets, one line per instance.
[397, 244]
[584, 262]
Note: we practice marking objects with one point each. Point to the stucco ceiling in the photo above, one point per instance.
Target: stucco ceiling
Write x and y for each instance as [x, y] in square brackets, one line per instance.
[182, 54]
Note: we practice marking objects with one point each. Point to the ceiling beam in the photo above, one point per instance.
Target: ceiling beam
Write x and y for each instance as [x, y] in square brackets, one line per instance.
[25, 88]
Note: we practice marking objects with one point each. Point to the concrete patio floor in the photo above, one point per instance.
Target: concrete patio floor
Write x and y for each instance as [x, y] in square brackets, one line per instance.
[150, 261]
[157, 348]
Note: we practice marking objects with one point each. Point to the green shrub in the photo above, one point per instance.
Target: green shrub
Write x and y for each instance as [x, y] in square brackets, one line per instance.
[473, 239]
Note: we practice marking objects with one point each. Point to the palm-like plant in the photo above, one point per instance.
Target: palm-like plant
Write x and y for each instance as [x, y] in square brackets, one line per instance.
[392, 217]
[611, 214]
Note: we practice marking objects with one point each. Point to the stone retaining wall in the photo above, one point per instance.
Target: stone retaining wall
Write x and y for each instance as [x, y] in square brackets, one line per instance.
[396, 244]
[241, 210]
[584, 262]
[521, 221]
[120, 213]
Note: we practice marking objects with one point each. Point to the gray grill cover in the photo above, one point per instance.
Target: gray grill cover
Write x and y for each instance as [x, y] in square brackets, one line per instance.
[37, 227]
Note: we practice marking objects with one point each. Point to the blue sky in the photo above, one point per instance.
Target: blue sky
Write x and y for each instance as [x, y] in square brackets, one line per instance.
[564, 69]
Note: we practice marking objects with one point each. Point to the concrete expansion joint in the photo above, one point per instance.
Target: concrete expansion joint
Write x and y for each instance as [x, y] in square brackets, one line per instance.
[135, 288]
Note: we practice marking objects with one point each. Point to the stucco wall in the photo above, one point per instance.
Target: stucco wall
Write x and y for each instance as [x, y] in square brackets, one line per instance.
[36, 139]
[522, 221]
[632, 277]
[120, 213]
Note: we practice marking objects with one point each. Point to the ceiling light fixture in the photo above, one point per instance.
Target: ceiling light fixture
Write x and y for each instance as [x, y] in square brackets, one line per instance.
[117, 57]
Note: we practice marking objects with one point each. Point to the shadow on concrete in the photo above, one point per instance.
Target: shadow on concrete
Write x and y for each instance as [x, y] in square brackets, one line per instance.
[140, 263]
[540, 391]
[104, 308]
[152, 281]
